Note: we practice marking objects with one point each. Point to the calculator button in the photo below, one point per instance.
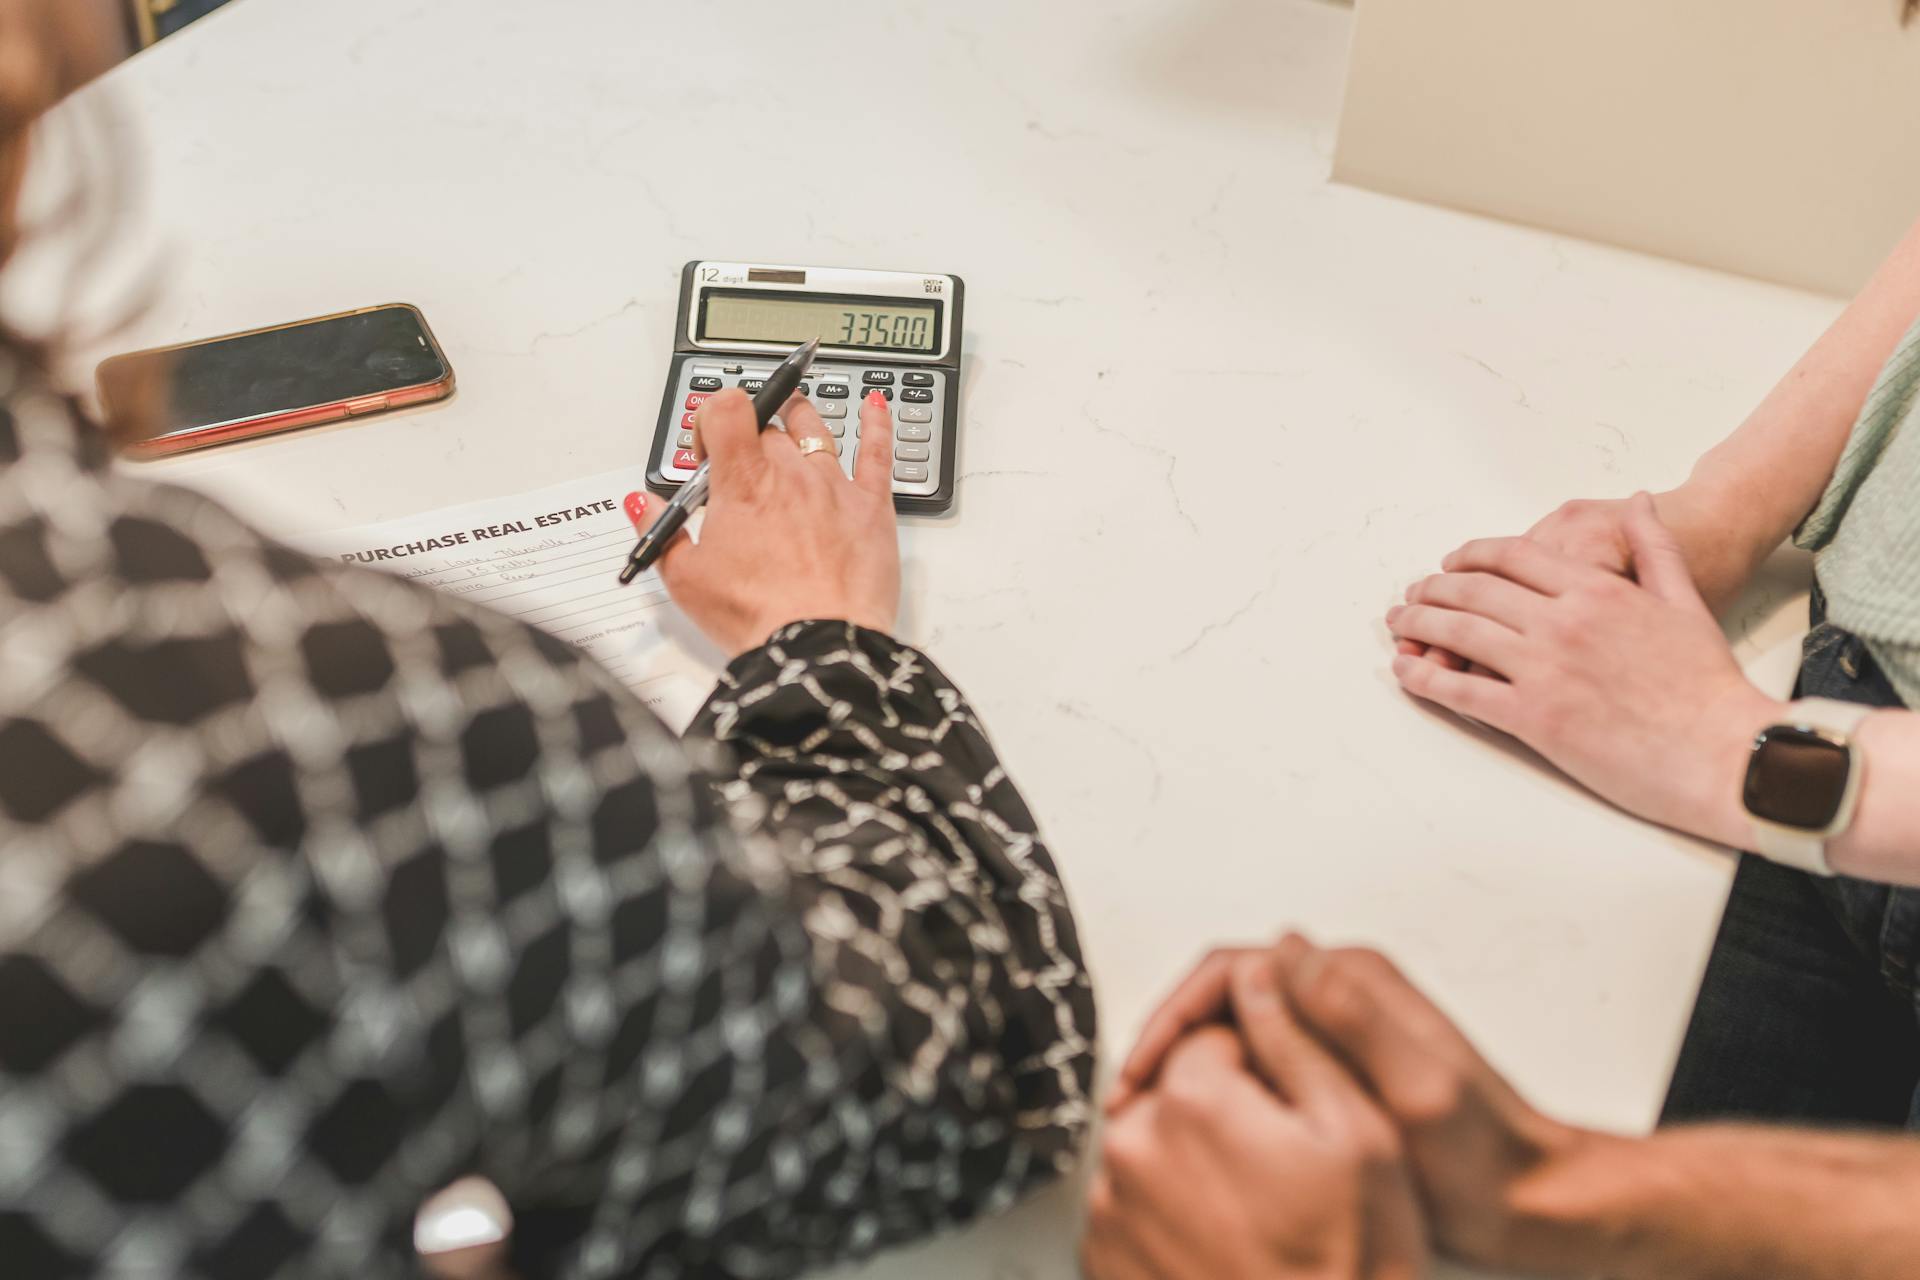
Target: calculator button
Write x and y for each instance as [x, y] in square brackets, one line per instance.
[695, 401]
[916, 379]
[686, 421]
[913, 434]
[911, 453]
[686, 440]
[910, 473]
[885, 393]
[834, 390]
[685, 459]
[831, 410]
[803, 389]
[915, 413]
[705, 382]
[878, 377]
[916, 395]
[838, 426]
[751, 385]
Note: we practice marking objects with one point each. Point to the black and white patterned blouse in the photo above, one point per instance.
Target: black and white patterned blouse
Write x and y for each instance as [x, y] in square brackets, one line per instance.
[319, 889]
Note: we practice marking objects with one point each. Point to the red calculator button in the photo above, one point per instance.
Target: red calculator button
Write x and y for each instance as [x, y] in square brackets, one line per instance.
[694, 400]
[685, 459]
[686, 422]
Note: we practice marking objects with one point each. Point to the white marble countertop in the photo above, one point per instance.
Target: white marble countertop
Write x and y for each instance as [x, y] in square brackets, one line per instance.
[1216, 413]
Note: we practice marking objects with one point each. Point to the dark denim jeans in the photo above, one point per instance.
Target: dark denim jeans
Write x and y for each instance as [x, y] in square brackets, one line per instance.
[1807, 1012]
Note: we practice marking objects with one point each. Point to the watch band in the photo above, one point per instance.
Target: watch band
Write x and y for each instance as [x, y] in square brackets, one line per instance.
[1791, 848]
[1807, 850]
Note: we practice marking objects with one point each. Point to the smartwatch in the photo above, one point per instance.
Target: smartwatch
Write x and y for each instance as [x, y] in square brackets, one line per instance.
[1803, 782]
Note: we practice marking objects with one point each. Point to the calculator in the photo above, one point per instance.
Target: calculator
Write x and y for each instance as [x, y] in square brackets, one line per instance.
[895, 332]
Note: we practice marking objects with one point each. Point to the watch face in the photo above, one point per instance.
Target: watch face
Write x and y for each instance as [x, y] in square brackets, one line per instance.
[1797, 778]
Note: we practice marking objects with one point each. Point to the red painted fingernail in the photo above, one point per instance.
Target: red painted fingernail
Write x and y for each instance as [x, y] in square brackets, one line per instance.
[635, 505]
[877, 400]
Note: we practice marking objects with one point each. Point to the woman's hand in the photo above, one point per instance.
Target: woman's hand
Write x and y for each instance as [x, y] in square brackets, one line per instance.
[1629, 686]
[1593, 531]
[788, 537]
[1255, 1154]
[1718, 556]
[1589, 530]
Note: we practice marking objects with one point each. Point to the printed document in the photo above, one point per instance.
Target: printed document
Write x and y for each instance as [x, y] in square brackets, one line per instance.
[552, 558]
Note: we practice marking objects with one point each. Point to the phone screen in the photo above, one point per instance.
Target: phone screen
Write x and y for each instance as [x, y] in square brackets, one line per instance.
[299, 366]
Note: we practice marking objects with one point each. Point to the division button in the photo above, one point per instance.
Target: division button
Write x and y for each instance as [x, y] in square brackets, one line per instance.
[913, 434]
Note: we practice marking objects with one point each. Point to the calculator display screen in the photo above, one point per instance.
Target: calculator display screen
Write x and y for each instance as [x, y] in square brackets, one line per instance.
[873, 324]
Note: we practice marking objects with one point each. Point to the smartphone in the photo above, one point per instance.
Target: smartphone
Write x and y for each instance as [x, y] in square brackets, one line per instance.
[243, 385]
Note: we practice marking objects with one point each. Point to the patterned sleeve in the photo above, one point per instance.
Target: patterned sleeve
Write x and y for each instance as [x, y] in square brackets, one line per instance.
[948, 975]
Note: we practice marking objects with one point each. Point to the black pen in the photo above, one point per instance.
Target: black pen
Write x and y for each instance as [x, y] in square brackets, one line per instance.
[653, 543]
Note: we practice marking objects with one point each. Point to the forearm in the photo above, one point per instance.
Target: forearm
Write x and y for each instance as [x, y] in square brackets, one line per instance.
[1746, 495]
[1722, 1203]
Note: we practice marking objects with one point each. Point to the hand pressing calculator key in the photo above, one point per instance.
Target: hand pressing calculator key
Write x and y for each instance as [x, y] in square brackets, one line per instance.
[889, 331]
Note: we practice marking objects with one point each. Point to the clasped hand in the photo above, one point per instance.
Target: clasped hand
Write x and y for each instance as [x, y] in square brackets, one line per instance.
[1624, 682]
[1291, 1113]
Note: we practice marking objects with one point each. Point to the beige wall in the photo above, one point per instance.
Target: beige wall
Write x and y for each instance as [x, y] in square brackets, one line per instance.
[1778, 138]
